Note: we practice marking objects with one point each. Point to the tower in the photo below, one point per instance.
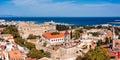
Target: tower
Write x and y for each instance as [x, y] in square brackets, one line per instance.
[67, 40]
[113, 37]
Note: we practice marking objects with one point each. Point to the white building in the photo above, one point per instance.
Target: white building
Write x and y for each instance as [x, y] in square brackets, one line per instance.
[54, 38]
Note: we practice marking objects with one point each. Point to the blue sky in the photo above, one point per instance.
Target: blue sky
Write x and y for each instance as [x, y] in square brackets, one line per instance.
[61, 8]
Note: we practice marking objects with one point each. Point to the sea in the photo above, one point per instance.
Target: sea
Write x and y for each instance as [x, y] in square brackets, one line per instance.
[89, 21]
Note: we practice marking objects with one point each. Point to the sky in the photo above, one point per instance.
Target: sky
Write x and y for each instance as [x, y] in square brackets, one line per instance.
[60, 8]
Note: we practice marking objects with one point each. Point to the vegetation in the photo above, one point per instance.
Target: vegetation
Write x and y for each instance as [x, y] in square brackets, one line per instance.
[2, 26]
[62, 27]
[88, 27]
[77, 34]
[31, 36]
[97, 54]
[55, 33]
[74, 26]
[117, 30]
[44, 44]
[99, 27]
[107, 41]
[94, 33]
[71, 35]
[99, 43]
[11, 30]
[34, 53]
[84, 47]
[79, 58]
[22, 42]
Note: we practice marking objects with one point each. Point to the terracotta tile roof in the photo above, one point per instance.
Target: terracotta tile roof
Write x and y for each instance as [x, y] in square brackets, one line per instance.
[66, 32]
[48, 35]
[2, 47]
[112, 54]
[117, 58]
[15, 54]
[44, 58]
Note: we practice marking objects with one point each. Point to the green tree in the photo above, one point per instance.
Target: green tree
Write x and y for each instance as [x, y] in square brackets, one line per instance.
[94, 33]
[97, 54]
[71, 35]
[34, 53]
[88, 27]
[77, 34]
[79, 58]
[11, 30]
[44, 44]
[30, 45]
[20, 41]
[55, 33]
[107, 41]
[31, 36]
[99, 43]
[62, 27]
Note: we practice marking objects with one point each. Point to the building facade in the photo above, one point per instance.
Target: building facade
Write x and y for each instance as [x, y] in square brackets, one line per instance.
[36, 29]
[54, 39]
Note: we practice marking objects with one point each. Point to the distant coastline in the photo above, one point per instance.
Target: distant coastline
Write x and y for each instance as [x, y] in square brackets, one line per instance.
[84, 21]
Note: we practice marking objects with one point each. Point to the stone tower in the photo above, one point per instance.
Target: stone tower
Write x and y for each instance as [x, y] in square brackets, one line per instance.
[67, 40]
[113, 37]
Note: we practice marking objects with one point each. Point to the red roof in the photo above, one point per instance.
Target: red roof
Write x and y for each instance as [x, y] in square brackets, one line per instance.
[66, 32]
[117, 58]
[112, 54]
[15, 54]
[2, 47]
[49, 35]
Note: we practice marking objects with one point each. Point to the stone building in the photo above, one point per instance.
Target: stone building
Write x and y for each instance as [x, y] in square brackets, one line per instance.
[26, 28]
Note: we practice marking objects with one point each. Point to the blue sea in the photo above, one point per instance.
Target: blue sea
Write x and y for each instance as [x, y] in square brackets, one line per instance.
[70, 20]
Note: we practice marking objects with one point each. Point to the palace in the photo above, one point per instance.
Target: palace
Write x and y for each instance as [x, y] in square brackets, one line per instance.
[26, 28]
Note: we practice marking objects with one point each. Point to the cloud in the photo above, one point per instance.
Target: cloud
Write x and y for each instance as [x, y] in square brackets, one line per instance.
[65, 8]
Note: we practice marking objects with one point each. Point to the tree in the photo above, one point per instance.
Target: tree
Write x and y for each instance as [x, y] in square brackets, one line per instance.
[107, 41]
[31, 36]
[77, 34]
[111, 41]
[62, 27]
[88, 27]
[99, 43]
[11, 30]
[71, 35]
[79, 58]
[20, 41]
[29, 45]
[44, 44]
[119, 37]
[97, 54]
[55, 33]
[34, 53]
[94, 33]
